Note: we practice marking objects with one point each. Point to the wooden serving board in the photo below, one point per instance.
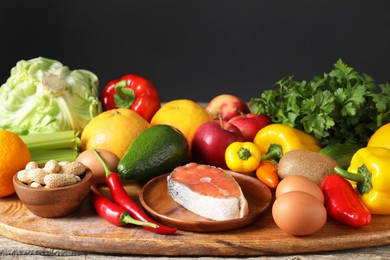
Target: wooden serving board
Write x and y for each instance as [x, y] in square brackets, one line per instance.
[85, 231]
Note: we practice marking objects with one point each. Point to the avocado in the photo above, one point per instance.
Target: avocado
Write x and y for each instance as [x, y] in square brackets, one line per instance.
[156, 151]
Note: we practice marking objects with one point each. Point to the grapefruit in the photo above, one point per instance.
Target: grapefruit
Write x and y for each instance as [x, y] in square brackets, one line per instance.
[113, 130]
[183, 114]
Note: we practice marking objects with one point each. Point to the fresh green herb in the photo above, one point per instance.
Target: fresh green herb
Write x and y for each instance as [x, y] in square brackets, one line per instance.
[342, 106]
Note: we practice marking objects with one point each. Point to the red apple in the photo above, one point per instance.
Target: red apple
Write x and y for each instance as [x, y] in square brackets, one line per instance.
[249, 124]
[211, 140]
[227, 106]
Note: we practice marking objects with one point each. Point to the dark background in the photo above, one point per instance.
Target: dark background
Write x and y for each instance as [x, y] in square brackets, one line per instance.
[199, 49]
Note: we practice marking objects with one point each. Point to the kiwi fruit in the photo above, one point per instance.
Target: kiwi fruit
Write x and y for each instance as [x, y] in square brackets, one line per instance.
[312, 165]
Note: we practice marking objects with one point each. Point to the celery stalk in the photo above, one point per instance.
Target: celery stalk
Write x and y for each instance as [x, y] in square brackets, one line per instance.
[59, 155]
[59, 146]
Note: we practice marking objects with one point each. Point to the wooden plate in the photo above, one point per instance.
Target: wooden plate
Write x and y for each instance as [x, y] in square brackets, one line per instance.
[155, 199]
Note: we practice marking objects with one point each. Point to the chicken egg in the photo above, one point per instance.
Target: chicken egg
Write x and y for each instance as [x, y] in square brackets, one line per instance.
[299, 183]
[90, 160]
[299, 213]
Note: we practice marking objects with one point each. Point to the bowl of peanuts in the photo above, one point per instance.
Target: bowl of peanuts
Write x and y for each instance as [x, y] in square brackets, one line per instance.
[53, 189]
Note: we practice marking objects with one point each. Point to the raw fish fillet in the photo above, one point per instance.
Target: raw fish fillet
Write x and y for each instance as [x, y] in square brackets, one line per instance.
[207, 191]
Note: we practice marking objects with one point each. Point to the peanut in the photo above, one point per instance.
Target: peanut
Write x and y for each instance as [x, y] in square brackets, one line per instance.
[53, 174]
[35, 185]
[52, 166]
[58, 180]
[63, 163]
[37, 175]
[23, 176]
[31, 165]
[75, 168]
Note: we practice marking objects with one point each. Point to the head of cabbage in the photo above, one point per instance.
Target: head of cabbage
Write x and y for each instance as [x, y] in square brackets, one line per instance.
[41, 96]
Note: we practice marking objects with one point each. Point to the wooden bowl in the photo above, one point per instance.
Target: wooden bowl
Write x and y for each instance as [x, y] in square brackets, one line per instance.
[54, 202]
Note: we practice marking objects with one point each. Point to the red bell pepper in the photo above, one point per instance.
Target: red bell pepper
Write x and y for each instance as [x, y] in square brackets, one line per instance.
[343, 203]
[134, 92]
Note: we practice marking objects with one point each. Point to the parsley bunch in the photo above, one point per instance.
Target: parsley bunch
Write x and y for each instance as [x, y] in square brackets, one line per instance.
[342, 106]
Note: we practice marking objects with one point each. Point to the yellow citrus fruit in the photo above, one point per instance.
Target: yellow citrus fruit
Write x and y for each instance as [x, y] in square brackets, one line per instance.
[113, 130]
[14, 155]
[183, 114]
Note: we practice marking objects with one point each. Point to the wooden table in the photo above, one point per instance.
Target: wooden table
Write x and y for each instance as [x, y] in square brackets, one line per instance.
[9, 249]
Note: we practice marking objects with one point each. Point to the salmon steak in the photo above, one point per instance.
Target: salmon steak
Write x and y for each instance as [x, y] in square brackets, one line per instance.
[207, 191]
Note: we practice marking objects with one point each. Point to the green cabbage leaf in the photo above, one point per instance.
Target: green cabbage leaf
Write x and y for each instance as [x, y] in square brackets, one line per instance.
[43, 96]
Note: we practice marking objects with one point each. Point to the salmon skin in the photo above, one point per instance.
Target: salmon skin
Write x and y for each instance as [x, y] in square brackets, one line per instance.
[208, 191]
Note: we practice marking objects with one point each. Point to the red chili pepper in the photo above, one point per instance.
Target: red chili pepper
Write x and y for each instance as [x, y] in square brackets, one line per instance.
[134, 92]
[120, 196]
[112, 212]
[343, 203]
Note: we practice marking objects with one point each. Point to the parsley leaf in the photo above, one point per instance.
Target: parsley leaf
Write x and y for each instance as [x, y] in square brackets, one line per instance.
[342, 106]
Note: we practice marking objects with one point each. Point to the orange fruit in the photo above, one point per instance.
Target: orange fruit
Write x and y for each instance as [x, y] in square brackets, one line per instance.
[113, 130]
[14, 155]
[183, 114]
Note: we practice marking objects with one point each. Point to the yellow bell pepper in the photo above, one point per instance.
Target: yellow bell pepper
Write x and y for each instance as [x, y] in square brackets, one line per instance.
[274, 140]
[370, 170]
[381, 137]
[243, 157]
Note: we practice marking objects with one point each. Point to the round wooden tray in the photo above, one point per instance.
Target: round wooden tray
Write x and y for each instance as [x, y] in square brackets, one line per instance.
[86, 232]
